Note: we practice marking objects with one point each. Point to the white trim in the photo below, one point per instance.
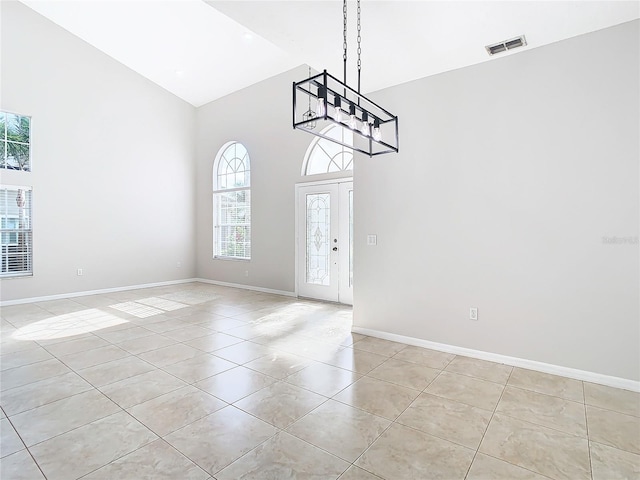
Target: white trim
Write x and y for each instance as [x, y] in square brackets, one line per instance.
[247, 287]
[592, 377]
[60, 296]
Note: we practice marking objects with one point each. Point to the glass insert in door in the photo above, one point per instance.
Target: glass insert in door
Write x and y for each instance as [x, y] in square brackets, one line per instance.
[318, 239]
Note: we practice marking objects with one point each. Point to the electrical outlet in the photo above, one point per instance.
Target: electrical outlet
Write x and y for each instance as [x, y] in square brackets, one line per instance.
[246, 273]
[80, 272]
[473, 313]
[179, 264]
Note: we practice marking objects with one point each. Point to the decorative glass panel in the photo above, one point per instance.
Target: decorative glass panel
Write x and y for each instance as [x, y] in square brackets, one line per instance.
[318, 239]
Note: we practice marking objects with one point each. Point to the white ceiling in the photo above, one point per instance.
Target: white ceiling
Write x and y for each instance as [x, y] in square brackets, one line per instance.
[202, 50]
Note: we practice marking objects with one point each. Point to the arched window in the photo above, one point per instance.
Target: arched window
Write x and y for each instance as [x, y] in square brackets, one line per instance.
[232, 202]
[324, 156]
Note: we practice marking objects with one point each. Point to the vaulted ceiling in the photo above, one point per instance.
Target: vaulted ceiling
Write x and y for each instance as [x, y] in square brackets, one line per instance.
[202, 50]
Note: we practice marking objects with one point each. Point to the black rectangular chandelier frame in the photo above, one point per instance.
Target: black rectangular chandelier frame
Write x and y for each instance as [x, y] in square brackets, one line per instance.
[318, 101]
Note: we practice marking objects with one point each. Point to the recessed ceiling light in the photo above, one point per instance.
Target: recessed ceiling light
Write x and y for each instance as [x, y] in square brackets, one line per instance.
[179, 73]
[248, 36]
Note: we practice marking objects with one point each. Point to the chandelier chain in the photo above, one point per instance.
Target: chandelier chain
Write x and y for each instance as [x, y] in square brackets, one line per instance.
[344, 30]
[359, 38]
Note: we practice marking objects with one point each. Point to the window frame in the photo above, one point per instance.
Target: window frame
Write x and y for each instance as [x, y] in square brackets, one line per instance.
[219, 191]
[28, 231]
[4, 142]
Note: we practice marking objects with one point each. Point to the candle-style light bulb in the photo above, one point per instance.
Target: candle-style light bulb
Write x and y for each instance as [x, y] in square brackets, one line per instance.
[377, 134]
[321, 106]
[353, 120]
[364, 128]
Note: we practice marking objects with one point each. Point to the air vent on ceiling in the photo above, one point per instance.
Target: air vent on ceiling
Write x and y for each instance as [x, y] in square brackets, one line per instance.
[506, 45]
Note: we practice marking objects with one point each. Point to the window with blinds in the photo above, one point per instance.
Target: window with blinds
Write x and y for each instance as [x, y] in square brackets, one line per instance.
[16, 232]
[232, 203]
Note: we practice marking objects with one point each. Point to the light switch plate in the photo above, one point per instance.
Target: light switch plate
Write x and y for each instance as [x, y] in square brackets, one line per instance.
[372, 239]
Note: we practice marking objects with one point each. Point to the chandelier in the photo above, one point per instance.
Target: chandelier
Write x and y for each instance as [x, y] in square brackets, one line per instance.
[322, 100]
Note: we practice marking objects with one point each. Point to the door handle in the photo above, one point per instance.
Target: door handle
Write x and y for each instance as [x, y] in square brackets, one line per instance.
[335, 249]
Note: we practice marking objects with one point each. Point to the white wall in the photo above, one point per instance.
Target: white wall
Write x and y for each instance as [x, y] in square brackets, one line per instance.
[509, 175]
[259, 117]
[113, 172]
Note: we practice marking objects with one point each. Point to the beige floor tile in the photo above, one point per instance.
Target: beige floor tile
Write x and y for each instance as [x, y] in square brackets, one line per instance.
[61, 306]
[114, 371]
[157, 461]
[234, 384]
[280, 404]
[188, 332]
[453, 421]
[68, 347]
[213, 341]
[402, 453]
[379, 346]
[146, 343]
[124, 335]
[357, 473]
[608, 463]
[90, 447]
[20, 466]
[547, 384]
[163, 325]
[222, 324]
[425, 356]
[10, 442]
[324, 379]
[474, 367]
[242, 352]
[406, 374]
[174, 410]
[545, 410]
[278, 364]
[469, 390]
[36, 394]
[11, 345]
[348, 339]
[94, 357]
[359, 361]
[215, 441]
[24, 357]
[198, 368]
[377, 397]
[284, 456]
[140, 388]
[244, 331]
[545, 451]
[169, 355]
[61, 416]
[16, 377]
[614, 429]
[485, 467]
[623, 401]
[340, 429]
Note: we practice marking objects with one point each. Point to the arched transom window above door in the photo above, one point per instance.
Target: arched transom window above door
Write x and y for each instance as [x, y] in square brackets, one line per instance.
[324, 156]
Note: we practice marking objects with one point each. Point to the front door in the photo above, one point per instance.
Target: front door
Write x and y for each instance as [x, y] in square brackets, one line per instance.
[325, 241]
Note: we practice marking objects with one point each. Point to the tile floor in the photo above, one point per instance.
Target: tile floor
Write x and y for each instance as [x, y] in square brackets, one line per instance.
[199, 382]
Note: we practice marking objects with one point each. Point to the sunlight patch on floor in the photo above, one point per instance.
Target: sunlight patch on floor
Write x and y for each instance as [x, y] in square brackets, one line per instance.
[68, 325]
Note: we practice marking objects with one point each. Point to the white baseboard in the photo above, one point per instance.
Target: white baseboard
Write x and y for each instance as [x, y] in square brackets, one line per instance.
[247, 287]
[592, 377]
[94, 292]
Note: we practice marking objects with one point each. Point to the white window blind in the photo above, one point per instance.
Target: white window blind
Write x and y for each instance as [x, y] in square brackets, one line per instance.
[232, 203]
[16, 231]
